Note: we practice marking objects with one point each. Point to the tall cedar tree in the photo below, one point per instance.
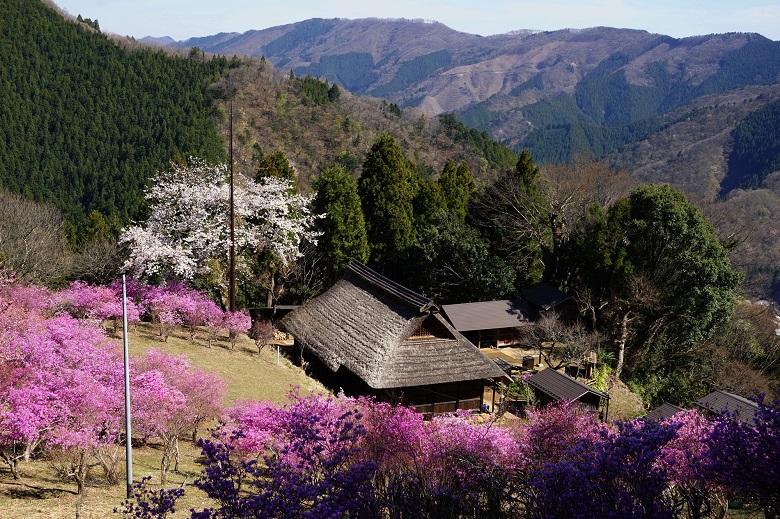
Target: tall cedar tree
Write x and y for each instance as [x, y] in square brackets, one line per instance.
[387, 188]
[513, 214]
[457, 183]
[343, 227]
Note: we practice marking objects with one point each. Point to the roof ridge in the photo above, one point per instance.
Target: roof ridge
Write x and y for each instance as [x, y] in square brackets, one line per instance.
[393, 289]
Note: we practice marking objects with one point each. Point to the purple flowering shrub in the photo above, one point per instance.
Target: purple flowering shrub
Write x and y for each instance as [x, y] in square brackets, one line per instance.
[615, 476]
[312, 469]
[745, 455]
[341, 457]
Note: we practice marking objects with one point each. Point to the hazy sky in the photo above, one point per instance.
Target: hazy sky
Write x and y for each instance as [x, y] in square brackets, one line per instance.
[181, 19]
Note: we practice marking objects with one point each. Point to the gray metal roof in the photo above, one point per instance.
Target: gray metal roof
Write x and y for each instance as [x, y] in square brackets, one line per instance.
[720, 402]
[488, 315]
[364, 322]
[560, 386]
[665, 410]
[544, 296]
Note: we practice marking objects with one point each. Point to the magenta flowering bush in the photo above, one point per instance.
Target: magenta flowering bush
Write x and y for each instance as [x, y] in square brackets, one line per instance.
[61, 385]
[236, 323]
[102, 304]
[173, 399]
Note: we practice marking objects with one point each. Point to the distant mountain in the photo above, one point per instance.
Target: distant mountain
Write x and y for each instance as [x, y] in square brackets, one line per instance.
[164, 40]
[557, 93]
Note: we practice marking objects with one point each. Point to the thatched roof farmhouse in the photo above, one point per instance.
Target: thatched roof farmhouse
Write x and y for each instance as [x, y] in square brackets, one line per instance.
[378, 338]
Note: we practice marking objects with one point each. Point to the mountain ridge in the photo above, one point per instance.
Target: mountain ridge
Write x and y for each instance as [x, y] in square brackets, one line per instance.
[516, 84]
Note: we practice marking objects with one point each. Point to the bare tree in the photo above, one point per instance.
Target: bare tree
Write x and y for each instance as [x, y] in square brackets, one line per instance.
[535, 210]
[99, 261]
[561, 344]
[32, 242]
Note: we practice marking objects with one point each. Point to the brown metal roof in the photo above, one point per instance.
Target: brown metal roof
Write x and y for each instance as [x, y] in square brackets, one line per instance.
[560, 386]
[720, 402]
[488, 315]
[663, 411]
[364, 322]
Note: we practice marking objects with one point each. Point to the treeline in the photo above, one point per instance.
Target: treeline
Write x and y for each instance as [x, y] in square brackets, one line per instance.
[497, 155]
[84, 122]
[414, 70]
[756, 151]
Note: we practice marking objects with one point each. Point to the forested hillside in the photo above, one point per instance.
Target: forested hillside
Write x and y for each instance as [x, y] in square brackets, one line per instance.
[84, 121]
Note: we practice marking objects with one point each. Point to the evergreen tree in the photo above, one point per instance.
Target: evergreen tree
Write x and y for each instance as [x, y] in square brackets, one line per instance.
[662, 282]
[457, 183]
[450, 263]
[387, 190]
[276, 165]
[343, 227]
[513, 213]
[428, 202]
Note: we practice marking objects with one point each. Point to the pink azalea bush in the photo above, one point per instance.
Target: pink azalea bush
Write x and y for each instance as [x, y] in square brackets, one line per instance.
[236, 323]
[61, 384]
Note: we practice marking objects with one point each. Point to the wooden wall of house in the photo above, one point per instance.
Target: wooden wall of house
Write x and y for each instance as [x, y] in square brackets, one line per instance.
[493, 338]
[428, 399]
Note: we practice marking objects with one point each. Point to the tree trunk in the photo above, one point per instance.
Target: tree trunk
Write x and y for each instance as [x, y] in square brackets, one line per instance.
[621, 345]
[165, 463]
[177, 456]
[269, 300]
[13, 464]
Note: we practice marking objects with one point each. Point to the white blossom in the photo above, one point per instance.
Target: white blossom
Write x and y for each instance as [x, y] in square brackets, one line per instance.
[189, 222]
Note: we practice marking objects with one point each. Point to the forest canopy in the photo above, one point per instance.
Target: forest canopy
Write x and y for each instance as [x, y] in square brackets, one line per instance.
[84, 122]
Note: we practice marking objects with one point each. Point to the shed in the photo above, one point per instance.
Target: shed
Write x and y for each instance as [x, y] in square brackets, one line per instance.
[490, 323]
[372, 336]
[545, 298]
[553, 386]
[720, 402]
[665, 410]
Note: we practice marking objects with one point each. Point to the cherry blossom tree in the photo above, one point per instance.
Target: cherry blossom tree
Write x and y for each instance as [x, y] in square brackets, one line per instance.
[187, 232]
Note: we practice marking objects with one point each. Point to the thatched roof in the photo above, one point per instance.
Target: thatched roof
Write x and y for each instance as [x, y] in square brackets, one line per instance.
[365, 323]
[488, 315]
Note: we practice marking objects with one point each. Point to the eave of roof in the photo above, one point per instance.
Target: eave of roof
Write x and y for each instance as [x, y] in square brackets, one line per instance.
[721, 401]
[544, 296]
[665, 410]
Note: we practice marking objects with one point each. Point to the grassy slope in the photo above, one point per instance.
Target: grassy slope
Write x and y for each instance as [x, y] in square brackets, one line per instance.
[251, 375]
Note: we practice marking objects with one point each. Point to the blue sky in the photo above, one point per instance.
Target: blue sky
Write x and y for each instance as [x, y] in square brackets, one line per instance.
[181, 19]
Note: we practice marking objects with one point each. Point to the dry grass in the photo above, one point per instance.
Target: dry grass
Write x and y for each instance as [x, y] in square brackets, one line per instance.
[250, 375]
